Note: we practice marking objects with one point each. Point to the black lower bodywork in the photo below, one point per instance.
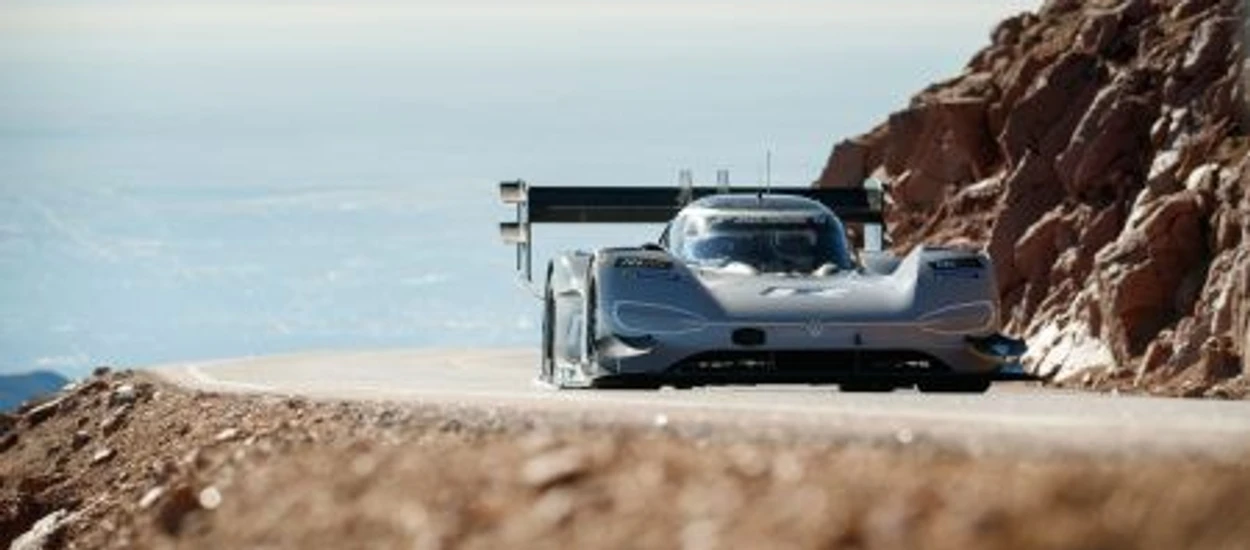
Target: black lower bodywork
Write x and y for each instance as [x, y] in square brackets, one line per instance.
[852, 370]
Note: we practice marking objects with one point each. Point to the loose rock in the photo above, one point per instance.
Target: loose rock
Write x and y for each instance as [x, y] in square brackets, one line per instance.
[43, 533]
[81, 437]
[123, 394]
[150, 497]
[554, 467]
[39, 413]
[227, 434]
[101, 456]
[115, 419]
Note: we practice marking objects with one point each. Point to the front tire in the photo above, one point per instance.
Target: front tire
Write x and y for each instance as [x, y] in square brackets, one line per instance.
[955, 385]
[590, 317]
[590, 354]
[546, 371]
[610, 382]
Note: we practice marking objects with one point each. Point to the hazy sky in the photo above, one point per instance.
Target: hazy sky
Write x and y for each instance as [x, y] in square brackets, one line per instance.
[470, 29]
[780, 68]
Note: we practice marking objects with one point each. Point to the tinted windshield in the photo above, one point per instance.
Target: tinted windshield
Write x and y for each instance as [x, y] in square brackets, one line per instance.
[767, 244]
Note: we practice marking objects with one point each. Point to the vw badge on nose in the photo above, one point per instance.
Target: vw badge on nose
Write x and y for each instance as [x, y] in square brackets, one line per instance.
[813, 327]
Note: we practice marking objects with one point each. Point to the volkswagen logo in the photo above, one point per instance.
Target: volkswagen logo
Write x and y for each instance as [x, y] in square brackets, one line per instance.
[813, 327]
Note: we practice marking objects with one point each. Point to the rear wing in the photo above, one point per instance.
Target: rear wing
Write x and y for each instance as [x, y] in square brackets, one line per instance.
[536, 204]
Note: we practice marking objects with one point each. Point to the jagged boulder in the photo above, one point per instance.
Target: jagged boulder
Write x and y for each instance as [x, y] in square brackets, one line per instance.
[1139, 273]
[1110, 143]
[1030, 191]
[1044, 118]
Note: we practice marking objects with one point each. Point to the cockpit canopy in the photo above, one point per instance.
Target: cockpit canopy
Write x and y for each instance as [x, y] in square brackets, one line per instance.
[799, 237]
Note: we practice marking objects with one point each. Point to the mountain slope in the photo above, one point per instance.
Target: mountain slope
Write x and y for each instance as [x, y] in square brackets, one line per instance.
[16, 389]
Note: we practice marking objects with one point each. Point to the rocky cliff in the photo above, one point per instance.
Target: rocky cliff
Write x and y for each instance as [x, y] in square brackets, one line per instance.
[1098, 151]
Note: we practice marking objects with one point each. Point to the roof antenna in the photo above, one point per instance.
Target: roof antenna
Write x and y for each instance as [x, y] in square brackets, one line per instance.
[768, 171]
[685, 180]
[768, 175]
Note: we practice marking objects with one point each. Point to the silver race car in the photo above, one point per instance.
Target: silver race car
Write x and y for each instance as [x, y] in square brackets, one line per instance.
[757, 286]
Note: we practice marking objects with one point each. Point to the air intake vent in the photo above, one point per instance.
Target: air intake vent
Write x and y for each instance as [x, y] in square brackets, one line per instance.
[748, 337]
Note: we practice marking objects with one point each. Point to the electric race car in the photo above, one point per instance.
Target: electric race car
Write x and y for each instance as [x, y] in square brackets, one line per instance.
[757, 286]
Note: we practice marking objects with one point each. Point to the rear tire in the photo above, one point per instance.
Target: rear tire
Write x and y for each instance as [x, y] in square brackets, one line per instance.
[866, 387]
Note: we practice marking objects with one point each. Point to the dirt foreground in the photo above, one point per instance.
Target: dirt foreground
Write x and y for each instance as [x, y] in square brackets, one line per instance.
[124, 460]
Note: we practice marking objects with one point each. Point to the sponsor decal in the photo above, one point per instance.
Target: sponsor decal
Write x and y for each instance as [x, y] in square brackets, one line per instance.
[956, 263]
[784, 292]
[964, 268]
[641, 262]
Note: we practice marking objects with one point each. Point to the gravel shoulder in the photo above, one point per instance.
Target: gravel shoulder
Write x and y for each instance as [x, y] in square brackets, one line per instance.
[127, 460]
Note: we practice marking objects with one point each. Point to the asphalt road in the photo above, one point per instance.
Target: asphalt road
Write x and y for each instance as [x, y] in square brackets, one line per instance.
[1011, 417]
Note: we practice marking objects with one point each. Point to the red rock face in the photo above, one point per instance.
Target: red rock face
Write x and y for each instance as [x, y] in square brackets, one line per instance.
[1098, 151]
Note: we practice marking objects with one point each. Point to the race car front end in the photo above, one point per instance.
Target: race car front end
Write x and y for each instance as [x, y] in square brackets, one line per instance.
[655, 325]
[686, 349]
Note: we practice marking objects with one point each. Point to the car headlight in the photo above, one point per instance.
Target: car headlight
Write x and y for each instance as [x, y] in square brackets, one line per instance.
[651, 318]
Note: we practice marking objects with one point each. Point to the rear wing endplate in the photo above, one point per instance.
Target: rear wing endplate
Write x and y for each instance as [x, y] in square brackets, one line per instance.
[535, 204]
